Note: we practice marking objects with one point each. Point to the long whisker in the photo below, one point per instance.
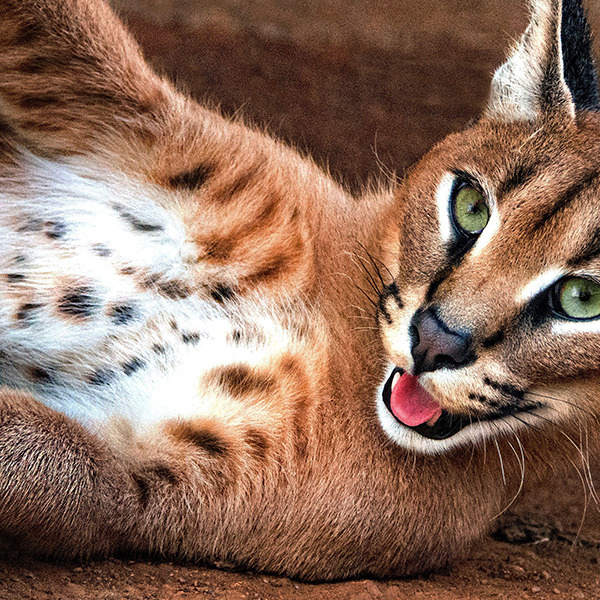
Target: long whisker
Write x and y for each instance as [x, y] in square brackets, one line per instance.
[563, 401]
[501, 462]
[586, 501]
[374, 263]
[521, 460]
[370, 279]
[585, 462]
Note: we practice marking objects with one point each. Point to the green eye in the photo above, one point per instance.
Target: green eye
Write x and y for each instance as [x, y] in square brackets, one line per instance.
[470, 210]
[579, 298]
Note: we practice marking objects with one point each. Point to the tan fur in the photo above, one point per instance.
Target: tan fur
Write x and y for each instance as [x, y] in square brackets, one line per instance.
[288, 469]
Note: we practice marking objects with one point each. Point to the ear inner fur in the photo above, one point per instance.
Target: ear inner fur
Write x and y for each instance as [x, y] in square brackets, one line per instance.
[531, 83]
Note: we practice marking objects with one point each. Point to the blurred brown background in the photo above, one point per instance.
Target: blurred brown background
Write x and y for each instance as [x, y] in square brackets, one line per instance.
[349, 80]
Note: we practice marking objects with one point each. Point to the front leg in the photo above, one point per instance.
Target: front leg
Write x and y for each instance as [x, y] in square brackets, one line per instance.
[61, 490]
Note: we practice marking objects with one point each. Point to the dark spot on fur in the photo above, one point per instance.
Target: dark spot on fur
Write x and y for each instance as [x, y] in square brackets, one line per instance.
[78, 302]
[240, 380]
[258, 442]
[219, 248]
[159, 349]
[199, 436]
[24, 313]
[176, 290]
[47, 127]
[14, 277]
[271, 270]
[150, 280]
[121, 314]
[39, 64]
[151, 476]
[101, 250]
[239, 184]
[19, 259]
[39, 375]
[236, 336]
[190, 338]
[191, 180]
[143, 489]
[128, 270]
[163, 472]
[101, 377]
[135, 222]
[133, 365]
[36, 101]
[31, 224]
[29, 33]
[55, 229]
[221, 293]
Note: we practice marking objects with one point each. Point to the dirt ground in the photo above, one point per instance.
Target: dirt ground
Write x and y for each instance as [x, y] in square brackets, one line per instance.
[366, 86]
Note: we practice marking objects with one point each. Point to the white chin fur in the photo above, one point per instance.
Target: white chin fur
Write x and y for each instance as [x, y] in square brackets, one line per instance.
[474, 434]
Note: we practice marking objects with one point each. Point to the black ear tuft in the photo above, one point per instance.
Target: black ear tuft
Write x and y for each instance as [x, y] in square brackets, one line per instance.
[578, 62]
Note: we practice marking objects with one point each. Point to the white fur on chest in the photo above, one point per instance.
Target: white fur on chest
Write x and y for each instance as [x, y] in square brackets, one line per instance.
[84, 323]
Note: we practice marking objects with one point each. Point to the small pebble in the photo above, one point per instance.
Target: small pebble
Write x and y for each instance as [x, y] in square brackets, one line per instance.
[535, 589]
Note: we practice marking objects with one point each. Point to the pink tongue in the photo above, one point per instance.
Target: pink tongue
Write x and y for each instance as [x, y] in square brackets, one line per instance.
[411, 403]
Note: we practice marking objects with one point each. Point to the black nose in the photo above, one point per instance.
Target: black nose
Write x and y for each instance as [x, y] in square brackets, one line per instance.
[435, 345]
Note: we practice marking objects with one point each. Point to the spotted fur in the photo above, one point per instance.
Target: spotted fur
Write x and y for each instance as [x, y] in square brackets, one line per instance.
[189, 309]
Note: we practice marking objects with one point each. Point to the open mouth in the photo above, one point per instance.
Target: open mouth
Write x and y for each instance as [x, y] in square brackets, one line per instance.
[412, 406]
[416, 409]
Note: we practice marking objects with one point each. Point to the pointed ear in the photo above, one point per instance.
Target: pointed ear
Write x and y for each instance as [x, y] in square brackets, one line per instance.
[72, 80]
[551, 69]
